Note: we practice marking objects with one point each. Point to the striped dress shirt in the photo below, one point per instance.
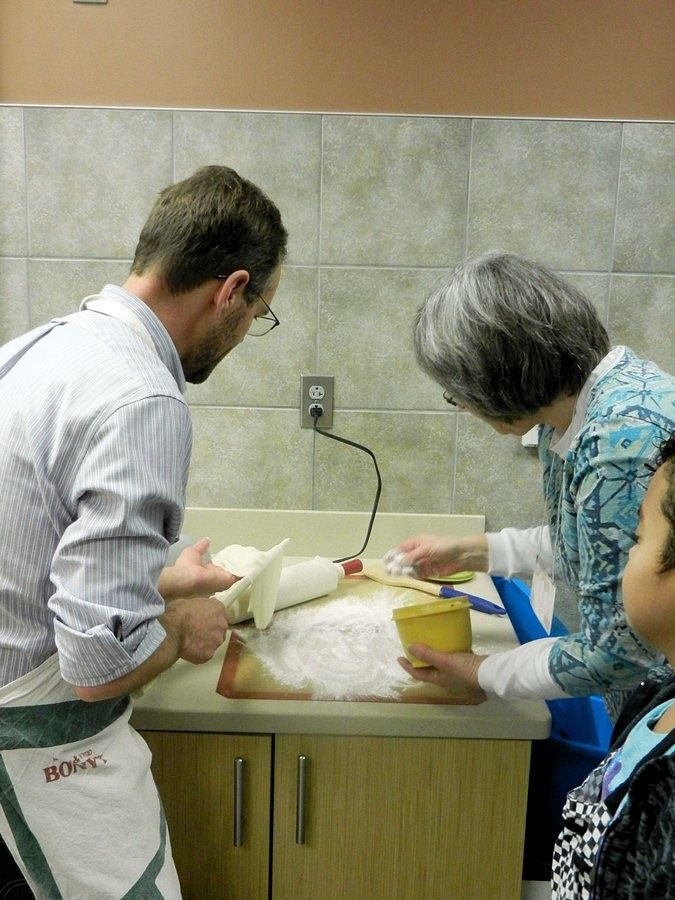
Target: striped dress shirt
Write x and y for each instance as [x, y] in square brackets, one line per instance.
[95, 441]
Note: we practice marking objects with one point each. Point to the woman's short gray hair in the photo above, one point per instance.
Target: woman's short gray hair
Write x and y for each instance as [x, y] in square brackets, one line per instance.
[506, 336]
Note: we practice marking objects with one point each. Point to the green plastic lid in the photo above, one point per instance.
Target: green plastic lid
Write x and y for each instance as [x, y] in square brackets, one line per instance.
[457, 578]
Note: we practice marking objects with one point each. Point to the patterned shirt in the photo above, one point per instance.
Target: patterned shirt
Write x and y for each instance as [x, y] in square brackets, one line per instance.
[593, 495]
[96, 441]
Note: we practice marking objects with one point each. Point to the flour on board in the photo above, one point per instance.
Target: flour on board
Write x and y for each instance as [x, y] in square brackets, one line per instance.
[341, 651]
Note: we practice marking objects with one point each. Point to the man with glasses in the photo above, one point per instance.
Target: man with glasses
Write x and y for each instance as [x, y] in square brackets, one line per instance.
[93, 470]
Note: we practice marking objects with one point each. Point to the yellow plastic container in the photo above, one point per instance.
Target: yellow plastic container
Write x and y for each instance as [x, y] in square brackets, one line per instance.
[440, 624]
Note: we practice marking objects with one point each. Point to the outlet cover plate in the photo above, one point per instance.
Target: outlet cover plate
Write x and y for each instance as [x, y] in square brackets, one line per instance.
[316, 389]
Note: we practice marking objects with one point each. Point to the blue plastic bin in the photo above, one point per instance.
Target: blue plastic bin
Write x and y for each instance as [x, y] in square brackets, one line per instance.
[580, 734]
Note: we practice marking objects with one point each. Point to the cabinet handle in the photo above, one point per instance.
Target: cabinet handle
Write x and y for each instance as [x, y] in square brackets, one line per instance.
[300, 800]
[238, 838]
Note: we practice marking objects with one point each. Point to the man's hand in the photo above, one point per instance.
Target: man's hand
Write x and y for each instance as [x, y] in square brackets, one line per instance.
[190, 576]
[458, 671]
[199, 624]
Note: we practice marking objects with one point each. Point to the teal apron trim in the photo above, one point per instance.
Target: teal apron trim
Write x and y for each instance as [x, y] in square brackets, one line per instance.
[53, 724]
[146, 887]
[29, 850]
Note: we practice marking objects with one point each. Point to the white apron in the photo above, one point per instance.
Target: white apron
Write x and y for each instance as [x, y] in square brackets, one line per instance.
[79, 809]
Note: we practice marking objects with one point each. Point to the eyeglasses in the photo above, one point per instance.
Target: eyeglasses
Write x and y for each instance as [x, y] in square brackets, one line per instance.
[451, 401]
[261, 324]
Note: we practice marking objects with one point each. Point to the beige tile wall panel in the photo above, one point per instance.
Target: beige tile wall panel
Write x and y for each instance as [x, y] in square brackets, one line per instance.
[645, 224]
[642, 315]
[544, 189]
[414, 452]
[14, 317]
[58, 285]
[279, 152]
[495, 474]
[13, 230]
[250, 458]
[595, 286]
[366, 335]
[93, 175]
[394, 190]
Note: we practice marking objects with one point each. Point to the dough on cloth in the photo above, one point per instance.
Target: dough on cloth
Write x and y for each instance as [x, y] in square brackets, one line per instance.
[256, 591]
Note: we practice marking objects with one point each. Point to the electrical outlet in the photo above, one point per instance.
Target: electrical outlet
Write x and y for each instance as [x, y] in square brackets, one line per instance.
[316, 391]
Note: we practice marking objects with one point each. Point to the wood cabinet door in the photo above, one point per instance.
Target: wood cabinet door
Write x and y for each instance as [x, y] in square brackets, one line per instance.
[400, 818]
[195, 776]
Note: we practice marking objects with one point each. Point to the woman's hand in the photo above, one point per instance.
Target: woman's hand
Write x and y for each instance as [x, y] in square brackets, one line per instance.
[458, 671]
[190, 576]
[429, 554]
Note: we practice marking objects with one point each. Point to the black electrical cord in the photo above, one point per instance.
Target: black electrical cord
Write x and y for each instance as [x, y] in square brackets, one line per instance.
[316, 414]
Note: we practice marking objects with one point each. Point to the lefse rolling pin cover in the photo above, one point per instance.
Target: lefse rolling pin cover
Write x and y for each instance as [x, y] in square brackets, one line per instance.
[299, 583]
[311, 579]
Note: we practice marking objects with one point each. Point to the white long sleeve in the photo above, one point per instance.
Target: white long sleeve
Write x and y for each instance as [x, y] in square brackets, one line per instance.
[521, 674]
[513, 551]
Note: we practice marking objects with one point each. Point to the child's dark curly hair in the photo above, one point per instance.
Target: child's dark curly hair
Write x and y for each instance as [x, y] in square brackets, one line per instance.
[667, 456]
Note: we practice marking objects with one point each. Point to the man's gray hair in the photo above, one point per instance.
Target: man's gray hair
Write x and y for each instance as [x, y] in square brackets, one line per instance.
[506, 336]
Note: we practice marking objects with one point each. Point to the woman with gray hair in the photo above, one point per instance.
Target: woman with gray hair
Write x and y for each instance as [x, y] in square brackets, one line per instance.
[517, 346]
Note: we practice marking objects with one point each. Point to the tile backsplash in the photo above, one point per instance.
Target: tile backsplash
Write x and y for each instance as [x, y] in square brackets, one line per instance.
[378, 209]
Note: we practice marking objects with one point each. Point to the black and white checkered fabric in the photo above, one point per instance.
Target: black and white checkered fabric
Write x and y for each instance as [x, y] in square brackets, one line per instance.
[585, 819]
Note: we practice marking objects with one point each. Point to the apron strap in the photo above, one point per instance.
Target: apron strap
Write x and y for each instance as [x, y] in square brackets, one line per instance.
[21, 345]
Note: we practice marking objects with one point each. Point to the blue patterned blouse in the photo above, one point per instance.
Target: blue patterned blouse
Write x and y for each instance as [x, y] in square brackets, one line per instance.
[592, 498]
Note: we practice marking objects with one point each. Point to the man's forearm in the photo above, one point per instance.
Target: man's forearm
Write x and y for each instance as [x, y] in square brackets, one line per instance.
[194, 628]
[164, 656]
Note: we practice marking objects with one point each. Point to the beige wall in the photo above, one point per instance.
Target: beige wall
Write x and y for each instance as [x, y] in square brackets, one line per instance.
[556, 58]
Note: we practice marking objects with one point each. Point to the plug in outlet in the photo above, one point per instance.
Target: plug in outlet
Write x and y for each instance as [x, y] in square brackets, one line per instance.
[316, 391]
